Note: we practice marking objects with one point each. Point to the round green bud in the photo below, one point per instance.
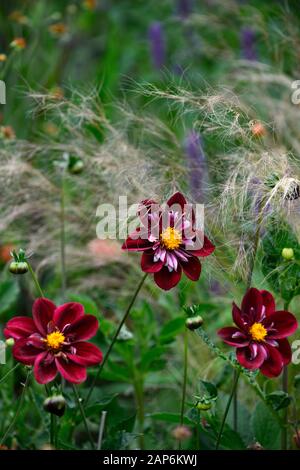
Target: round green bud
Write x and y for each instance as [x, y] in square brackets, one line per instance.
[76, 167]
[10, 342]
[55, 405]
[193, 323]
[18, 267]
[287, 253]
[203, 406]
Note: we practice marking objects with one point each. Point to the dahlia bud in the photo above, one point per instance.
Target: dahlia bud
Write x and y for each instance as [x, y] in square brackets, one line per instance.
[193, 323]
[181, 433]
[204, 406]
[75, 165]
[10, 342]
[255, 446]
[55, 405]
[287, 253]
[19, 264]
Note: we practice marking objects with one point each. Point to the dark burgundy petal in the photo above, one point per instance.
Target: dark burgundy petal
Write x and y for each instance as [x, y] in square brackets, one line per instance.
[67, 313]
[44, 368]
[42, 312]
[72, 372]
[135, 243]
[273, 365]
[167, 280]
[37, 341]
[148, 265]
[84, 328]
[234, 337]
[177, 198]
[207, 249]
[252, 305]
[280, 324]
[237, 317]
[251, 357]
[19, 327]
[285, 350]
[268, 302]
[192, 268]
[24, 352]
[86, 354]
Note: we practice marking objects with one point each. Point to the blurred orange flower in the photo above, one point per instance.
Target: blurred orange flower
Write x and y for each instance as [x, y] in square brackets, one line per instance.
[3, 57]
[18, 43]
[104, 250]
[5, 251]
[18, 17]
[7, 132]
[258, 129]
[90, 4]
[58, 29]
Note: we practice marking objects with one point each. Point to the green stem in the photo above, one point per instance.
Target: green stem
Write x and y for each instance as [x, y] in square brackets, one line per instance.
[35, 279]
[9, 372]
[227, 409]
[20, 405]
[185, 366]
[126, 314]
[139, 395]
[63, 239]
[285, 389]
[78, 399]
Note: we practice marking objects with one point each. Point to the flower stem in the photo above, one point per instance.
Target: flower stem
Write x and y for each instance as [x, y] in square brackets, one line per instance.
[101, 429]
[185, 364]
[126, 314]
[78, 399]
[12, 424]
[285, 389]
[9, 372]
[35, 279]
[227, 408]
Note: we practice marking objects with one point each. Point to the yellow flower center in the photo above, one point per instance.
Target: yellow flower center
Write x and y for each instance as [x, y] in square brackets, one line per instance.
[258, 332]
[54, 340]
[171, 238]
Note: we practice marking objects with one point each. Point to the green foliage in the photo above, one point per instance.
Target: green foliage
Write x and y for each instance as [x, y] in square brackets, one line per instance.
[265, 426]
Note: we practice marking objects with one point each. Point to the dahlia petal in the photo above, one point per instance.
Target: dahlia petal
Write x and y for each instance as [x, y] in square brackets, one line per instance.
[167, 280]
[273, 365]
[233, 336]
[192, 268]
[249, 360]
[70, 371]
[45, 369]
[207, 249]
[24, 352]
[148, 264]
[86, 354]
[268, 302]
[280, 324]
[67, 313]
[177, 198]
[42, 312]
[84, 328]
[135, 243]
[19, 327]
[237, 316]
[285, 350]
[252, 305]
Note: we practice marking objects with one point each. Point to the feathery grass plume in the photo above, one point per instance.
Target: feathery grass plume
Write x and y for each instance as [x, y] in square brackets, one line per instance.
[157, 45]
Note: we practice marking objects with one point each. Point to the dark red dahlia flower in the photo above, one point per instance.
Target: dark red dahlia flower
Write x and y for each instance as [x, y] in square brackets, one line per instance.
[260, 336]
[54, 341]
[170, 241]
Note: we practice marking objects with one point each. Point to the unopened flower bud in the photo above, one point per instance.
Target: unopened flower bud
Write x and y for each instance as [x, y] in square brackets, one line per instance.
[76, 165]
[18, 267]
[255, 446]
[193, 323]
[10, 342]
[181, 433]
[287, 253]
[203, 406]
[55, 405]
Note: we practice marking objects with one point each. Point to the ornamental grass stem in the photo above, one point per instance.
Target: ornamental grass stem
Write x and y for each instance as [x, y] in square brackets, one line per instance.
[9, 372]
[285, 389]
[19, 408]
[126, 314]
[185, 366]
[78, 399]
[227, 409]
[63, 238]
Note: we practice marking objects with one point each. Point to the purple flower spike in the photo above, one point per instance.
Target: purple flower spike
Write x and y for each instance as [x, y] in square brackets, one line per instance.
[184, 8]
[248, 44]
[157, 45]
[196, 164]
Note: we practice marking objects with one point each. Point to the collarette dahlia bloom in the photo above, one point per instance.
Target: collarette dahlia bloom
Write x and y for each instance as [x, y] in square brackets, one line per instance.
[54, 340]
[170, 241]
[260, 336]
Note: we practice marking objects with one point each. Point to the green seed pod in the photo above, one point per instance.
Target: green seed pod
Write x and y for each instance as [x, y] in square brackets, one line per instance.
[55, 405]
[76, 165]
[193, 323]
[18, 267]
[287, 253]
[10, 342]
